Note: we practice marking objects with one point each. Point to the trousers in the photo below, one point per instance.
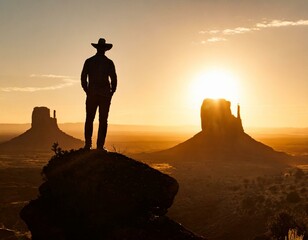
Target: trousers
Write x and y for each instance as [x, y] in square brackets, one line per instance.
[93, 102]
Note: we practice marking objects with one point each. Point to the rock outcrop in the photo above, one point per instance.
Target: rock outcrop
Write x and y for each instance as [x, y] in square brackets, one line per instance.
[43, 133]
[221, 147]
[41, 119]
[217, 119]
[103, 195]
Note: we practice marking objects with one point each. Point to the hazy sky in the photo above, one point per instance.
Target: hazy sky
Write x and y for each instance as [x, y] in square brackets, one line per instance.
[162, 48]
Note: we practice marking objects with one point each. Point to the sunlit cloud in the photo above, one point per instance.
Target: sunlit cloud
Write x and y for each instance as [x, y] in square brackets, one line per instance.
[210, 32]
[214, 39]
[220, 35]
[49, 76]
[238, 30]
[279, 23]
[66, 81]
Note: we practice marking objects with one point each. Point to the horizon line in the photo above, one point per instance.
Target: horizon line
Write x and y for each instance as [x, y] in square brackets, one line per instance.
[166, 125]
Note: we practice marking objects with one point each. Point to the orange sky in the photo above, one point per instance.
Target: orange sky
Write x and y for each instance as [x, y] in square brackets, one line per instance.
[161, 48]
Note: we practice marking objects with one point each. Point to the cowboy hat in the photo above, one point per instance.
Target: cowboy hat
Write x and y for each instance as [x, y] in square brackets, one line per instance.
[102, 44]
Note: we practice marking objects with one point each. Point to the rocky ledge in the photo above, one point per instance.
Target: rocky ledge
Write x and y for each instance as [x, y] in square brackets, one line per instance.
[103, 195]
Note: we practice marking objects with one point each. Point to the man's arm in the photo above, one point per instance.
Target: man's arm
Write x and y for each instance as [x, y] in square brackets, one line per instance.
[84, 75]
[113, 78]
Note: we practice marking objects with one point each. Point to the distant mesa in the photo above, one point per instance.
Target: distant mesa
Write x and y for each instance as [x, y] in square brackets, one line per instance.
[43, 133]
[217, 119]
[41, 119]
[222, 146]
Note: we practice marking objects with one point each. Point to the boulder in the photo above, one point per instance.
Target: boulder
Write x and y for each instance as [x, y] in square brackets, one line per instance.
[102, 195]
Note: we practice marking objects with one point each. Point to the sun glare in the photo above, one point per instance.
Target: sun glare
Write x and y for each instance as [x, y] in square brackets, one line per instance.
[215, 84]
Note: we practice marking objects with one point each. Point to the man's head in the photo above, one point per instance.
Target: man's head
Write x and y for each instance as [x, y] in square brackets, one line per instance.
[102, 46]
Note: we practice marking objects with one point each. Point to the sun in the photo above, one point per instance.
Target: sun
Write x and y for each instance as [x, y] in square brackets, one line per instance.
[215, 84]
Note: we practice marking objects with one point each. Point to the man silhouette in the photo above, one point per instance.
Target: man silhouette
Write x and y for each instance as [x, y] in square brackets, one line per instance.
[99, 81]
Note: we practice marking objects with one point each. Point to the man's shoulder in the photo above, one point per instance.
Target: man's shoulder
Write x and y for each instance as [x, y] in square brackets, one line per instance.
[94, 57]
[94, 60]
[108, 59]
[88, 61]
[91, 58]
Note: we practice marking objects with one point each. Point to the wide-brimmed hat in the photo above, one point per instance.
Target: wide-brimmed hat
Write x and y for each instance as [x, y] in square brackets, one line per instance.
[102, 44]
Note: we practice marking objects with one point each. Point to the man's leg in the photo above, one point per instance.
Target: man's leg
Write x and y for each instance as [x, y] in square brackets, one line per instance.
[91, 106]
[104, 105]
